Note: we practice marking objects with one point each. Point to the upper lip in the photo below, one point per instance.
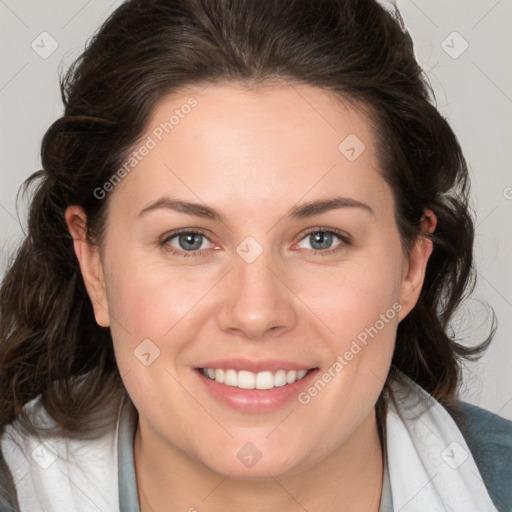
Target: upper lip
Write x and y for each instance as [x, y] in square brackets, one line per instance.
[255, 366]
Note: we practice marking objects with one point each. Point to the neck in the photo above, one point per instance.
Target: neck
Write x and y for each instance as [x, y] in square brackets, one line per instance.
[350, 478]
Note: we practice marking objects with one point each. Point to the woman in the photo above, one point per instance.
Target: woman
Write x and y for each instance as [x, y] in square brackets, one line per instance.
[247, 240]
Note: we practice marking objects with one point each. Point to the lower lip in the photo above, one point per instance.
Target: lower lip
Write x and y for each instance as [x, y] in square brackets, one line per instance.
[256, 400]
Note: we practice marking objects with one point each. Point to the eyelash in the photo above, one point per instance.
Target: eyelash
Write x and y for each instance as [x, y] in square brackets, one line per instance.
[345, 239]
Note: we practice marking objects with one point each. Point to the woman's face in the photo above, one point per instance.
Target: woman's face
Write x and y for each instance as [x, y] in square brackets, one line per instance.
[296, 266]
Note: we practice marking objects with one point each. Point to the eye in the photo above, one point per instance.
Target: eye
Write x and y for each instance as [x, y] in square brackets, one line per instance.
[321, 241]
[183, 242]
[188, 243]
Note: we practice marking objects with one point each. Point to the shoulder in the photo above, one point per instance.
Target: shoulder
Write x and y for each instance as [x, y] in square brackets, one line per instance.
[8, 498]
[32, 466]
[8, 494]
[489, 437]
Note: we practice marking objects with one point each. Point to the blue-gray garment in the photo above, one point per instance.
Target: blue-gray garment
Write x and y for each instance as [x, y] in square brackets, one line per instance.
[488, 436]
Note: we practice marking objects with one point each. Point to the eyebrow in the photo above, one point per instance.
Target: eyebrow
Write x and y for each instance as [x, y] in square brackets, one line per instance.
[298, 212]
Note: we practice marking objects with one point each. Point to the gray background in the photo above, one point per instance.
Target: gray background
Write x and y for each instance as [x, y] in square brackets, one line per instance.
[473, 87]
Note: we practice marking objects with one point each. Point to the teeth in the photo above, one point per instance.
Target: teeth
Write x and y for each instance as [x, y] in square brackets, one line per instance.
[291, 376]
[280, 378]
[230, 378]
[250, 380]
[245, 380]
[264, 380]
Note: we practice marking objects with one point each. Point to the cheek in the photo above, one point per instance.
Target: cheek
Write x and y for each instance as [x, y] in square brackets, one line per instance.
[149, 299]
[352, 298]
[145, 305]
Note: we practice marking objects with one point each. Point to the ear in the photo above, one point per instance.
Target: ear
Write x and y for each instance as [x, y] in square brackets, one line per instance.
[90, 264]
[414, 273]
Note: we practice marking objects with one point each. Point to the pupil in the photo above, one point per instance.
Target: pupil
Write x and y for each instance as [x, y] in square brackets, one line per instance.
[323, 239]
[189, 239]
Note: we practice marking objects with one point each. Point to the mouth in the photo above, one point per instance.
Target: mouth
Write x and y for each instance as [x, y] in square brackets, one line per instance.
[255, 388]
[244, 379]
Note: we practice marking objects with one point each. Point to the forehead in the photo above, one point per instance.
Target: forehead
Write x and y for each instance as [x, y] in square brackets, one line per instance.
[224, 142]
[286, 115]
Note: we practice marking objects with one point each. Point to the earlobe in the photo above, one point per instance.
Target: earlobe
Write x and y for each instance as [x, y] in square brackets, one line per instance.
[412, 282]
[90, 263]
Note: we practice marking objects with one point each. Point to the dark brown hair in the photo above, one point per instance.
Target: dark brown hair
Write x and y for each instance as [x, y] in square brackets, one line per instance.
[51, 344]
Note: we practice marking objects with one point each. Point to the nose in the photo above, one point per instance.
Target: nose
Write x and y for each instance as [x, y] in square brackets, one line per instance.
[257, 301]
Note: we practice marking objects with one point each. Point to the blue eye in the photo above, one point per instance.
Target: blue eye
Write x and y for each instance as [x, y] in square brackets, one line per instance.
[187, 242]
[195, 243]
[321, 240]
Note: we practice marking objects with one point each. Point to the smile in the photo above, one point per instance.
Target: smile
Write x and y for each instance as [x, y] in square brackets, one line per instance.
[244, 379]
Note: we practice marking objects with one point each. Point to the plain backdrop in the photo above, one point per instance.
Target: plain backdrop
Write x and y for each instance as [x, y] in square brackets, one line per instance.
[462, 45]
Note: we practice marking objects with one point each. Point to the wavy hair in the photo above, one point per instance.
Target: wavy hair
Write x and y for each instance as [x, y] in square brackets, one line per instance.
[50, 343]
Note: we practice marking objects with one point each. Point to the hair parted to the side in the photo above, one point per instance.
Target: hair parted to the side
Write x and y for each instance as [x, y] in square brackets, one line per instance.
[50, 343]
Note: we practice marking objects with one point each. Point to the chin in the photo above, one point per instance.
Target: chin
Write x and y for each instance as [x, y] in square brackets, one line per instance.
[250, 463]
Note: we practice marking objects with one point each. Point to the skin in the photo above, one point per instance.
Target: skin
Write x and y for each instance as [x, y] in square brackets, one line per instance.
[253, 155]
